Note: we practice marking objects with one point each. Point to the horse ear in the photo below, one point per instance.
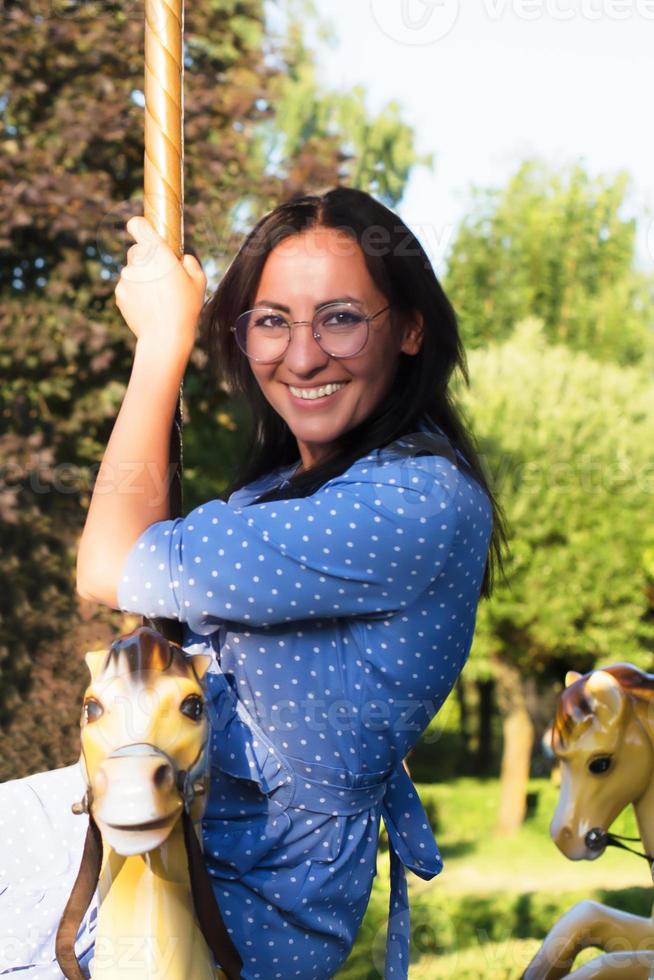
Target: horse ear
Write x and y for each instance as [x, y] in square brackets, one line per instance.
[201, 663]
[571, 677]
[605, 697]
[95, 660]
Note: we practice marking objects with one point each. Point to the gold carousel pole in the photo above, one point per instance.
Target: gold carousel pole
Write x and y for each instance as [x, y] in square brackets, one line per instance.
[164, 120]
[164, 177]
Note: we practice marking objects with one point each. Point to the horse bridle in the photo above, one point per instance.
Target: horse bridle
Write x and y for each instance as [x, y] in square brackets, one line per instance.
[597, 839]
[190, 783]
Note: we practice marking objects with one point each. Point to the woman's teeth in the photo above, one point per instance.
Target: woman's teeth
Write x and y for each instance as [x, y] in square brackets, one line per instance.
[316, 392]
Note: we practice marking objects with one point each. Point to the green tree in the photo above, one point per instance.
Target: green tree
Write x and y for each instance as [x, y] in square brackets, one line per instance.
[568, 442]
[558, 245]
[71, 173]
[377, 153]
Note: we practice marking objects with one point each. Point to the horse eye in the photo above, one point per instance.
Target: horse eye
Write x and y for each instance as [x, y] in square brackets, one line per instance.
[600, 765]
[92, 710]
[192, 707]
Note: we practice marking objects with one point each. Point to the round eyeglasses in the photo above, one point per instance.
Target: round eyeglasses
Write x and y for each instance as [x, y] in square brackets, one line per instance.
[341, 330]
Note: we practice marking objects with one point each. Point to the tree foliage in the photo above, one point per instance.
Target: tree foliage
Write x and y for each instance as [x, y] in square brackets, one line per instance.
[377, 153]
[71, 173]
[569, 444]
[557, 245]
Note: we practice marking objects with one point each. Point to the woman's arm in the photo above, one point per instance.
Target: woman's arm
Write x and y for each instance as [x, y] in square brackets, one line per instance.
[160, 299]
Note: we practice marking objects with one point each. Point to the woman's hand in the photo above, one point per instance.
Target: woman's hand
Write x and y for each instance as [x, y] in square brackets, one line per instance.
[159, 296]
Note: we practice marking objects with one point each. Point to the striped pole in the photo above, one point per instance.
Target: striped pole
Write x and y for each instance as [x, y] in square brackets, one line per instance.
[164, 120]
[164, 178]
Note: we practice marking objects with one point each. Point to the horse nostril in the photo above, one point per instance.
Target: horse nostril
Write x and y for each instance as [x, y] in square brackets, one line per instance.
[561, 834]
[163, 776]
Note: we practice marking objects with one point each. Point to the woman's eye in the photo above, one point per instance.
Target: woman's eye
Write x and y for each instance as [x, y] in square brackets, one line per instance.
[341, 318]
[192, 707]
[600, 765]
[92, 710]
[270, 322]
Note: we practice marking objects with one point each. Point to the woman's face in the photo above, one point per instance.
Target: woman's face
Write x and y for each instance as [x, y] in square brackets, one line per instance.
[300, 275]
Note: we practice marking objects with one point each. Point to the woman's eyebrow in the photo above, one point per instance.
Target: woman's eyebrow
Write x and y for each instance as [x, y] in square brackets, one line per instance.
[318, 306]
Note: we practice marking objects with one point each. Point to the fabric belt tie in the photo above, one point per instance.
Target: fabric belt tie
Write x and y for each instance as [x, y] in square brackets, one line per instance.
[291, 782]
[411, 843]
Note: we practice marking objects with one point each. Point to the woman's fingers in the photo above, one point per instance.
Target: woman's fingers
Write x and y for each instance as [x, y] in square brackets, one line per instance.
[194, 269]
[159, 296]
[142, 231]
[150, 257]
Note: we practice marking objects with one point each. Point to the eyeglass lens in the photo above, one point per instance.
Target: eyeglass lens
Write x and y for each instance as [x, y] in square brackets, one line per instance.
[264, 334]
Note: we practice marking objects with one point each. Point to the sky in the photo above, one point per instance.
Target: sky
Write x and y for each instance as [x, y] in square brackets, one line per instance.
[492, 82]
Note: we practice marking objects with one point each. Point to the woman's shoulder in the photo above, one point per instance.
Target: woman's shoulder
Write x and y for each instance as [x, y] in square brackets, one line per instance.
[422, 461]
[428, 440]
[248, 493]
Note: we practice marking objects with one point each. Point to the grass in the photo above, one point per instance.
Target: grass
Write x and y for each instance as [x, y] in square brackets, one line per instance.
[496, 898]
[463, 814]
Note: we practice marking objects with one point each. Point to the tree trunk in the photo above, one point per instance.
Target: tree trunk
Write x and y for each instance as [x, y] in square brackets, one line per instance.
[518, 739]
[484, 756]
[461, 689]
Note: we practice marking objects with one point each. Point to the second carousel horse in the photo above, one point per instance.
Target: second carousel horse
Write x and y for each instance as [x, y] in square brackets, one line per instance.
[603, 736]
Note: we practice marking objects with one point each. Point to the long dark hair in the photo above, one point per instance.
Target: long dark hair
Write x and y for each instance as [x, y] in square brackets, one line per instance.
[401, 270]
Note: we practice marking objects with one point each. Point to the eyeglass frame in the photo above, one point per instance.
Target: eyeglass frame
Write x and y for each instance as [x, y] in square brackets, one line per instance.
[316, 336]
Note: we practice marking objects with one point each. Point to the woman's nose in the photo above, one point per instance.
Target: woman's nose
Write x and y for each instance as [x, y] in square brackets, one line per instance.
[304, 353]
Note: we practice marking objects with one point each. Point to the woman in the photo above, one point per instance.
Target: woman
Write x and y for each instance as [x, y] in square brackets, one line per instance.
[336, 588]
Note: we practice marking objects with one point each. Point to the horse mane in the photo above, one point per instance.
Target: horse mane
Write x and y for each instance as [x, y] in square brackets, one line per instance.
[573, 705]
[146, 649]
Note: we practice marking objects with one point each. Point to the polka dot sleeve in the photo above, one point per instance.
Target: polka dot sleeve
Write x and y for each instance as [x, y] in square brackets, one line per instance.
[368, 542]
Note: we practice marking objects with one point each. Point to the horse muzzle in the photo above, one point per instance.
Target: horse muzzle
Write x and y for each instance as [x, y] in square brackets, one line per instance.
[135, 798]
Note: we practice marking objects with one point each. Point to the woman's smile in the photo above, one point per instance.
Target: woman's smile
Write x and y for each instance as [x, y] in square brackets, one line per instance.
[315, 396]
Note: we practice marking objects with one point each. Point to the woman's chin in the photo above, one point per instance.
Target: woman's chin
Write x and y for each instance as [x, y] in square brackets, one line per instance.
[319, 434]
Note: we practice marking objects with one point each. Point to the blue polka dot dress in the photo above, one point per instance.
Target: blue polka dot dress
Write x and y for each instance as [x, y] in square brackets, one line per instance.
[338, 624]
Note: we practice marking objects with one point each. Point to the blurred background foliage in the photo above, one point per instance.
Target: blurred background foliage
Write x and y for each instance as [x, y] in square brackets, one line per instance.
[558, 245]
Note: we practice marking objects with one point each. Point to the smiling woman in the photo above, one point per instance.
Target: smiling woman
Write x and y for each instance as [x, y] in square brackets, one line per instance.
[309, 252]
[336, 588]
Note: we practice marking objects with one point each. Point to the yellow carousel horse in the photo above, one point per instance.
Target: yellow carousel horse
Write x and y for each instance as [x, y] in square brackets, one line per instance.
[603, 736]
[144, 740]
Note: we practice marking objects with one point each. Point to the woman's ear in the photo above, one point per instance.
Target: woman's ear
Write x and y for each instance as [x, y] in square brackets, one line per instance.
[414, 326]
